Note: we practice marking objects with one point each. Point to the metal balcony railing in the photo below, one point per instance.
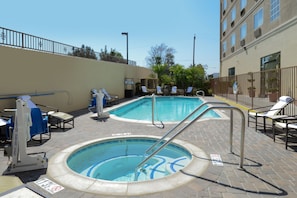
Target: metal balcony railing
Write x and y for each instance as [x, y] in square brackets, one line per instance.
[17, 39]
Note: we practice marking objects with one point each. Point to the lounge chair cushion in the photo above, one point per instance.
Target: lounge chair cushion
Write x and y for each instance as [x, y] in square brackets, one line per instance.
[159, 90]
[174, 90]
[284, 125]
[283, 101]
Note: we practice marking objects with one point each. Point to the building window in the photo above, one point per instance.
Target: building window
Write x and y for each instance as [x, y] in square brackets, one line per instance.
[233, 39]
[242, 4]
[243, 31]
[231, 71]
[233, 14]
[271, 61]
[225, 5]
[274, 9]
[258, 19]
[224, 46]
[225, 25]
[269, 73]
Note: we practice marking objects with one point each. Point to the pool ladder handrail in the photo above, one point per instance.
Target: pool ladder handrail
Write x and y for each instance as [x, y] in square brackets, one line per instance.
[153, 113]
[200, 91]
[165, 143]
[181, 122]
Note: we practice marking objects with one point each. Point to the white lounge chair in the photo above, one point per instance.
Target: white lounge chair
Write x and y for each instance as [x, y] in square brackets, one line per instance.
[109, 98]
[173, 90]
[288, 125]
[145, 91]
[189, 91]
[264, 112]
[159, 90]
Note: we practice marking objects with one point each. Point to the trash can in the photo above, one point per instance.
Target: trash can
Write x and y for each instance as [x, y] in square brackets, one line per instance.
[128, 93]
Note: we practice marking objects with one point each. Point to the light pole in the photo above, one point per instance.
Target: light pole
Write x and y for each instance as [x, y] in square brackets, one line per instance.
[126, 33]
[194, 50]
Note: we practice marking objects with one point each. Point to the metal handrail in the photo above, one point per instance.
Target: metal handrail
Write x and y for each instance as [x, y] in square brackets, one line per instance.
[181, 122]
[153, 113]
[200, 91]
[194, 120]
[153, 108]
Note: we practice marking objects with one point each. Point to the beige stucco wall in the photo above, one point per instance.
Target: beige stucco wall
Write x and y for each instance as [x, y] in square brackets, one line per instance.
[70, 78]
[249, 60]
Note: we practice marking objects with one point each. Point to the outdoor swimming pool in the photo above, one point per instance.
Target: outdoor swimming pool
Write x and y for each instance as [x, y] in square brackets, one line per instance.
[167, 109]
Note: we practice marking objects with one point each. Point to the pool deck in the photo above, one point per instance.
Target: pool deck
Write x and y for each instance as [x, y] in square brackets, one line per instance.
[269, 169]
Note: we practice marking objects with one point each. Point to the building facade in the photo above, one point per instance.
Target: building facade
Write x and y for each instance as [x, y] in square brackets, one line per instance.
[257, 35]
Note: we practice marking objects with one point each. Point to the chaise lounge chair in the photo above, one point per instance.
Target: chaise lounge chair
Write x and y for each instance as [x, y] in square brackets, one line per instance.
[189, 91]
[173, 90]
[145, 91]
[265, 112]
[159, 91]
[110, 99]
[287, 125]
[57, 118]
[39, 121]
[6, 123]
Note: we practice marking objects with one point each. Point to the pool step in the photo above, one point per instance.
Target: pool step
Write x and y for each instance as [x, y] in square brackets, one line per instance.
[157, 167]
[177, 164]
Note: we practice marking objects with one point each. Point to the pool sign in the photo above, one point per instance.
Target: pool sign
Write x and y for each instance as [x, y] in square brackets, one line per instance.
[49, 185]
[235, 87]
[216, 160]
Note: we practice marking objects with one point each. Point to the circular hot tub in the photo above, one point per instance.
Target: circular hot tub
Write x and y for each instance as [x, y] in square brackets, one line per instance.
[108, 166]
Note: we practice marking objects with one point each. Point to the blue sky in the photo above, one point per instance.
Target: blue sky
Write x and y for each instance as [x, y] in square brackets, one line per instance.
[99, 23]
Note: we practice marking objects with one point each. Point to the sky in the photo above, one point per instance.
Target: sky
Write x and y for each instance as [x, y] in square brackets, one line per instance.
[99, 23]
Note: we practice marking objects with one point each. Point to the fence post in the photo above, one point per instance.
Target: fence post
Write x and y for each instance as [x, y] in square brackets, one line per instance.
[22, 40]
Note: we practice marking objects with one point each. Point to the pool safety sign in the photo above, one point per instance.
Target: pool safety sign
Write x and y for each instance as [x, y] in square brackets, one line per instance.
[216, 160]
[49, 185]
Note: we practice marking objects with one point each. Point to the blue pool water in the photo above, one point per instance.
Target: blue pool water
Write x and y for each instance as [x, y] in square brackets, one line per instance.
[167, 109]
[116, 160]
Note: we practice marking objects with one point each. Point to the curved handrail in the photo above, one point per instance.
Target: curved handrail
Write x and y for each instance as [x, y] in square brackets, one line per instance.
[181, 122]
[194, 120]
[153, 112]
[200, 91]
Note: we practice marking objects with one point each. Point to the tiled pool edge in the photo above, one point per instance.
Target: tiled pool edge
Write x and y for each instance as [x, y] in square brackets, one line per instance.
[59, 172]
[221, 113]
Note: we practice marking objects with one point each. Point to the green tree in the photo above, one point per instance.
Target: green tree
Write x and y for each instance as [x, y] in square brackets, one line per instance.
[196, 76]
[161, 55]
[160, 59]
[112, 56]
[84, 51]
[178, 75]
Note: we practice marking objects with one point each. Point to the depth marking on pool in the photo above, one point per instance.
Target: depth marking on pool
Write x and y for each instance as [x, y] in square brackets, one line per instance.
[216, 160]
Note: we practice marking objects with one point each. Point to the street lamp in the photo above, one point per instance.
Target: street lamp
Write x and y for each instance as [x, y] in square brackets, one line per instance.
[126, 33]
[194, 50]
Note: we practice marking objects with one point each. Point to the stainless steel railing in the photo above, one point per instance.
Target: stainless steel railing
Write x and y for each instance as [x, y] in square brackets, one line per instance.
[166, 142]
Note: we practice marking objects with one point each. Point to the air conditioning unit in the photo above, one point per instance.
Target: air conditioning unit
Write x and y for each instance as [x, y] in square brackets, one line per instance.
[257, 32]
[242, 12]
[242, 42]
[232, 49]
[232, 23]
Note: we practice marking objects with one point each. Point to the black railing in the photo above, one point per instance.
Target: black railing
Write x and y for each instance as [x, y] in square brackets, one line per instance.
[259, 88]
[22, 40]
